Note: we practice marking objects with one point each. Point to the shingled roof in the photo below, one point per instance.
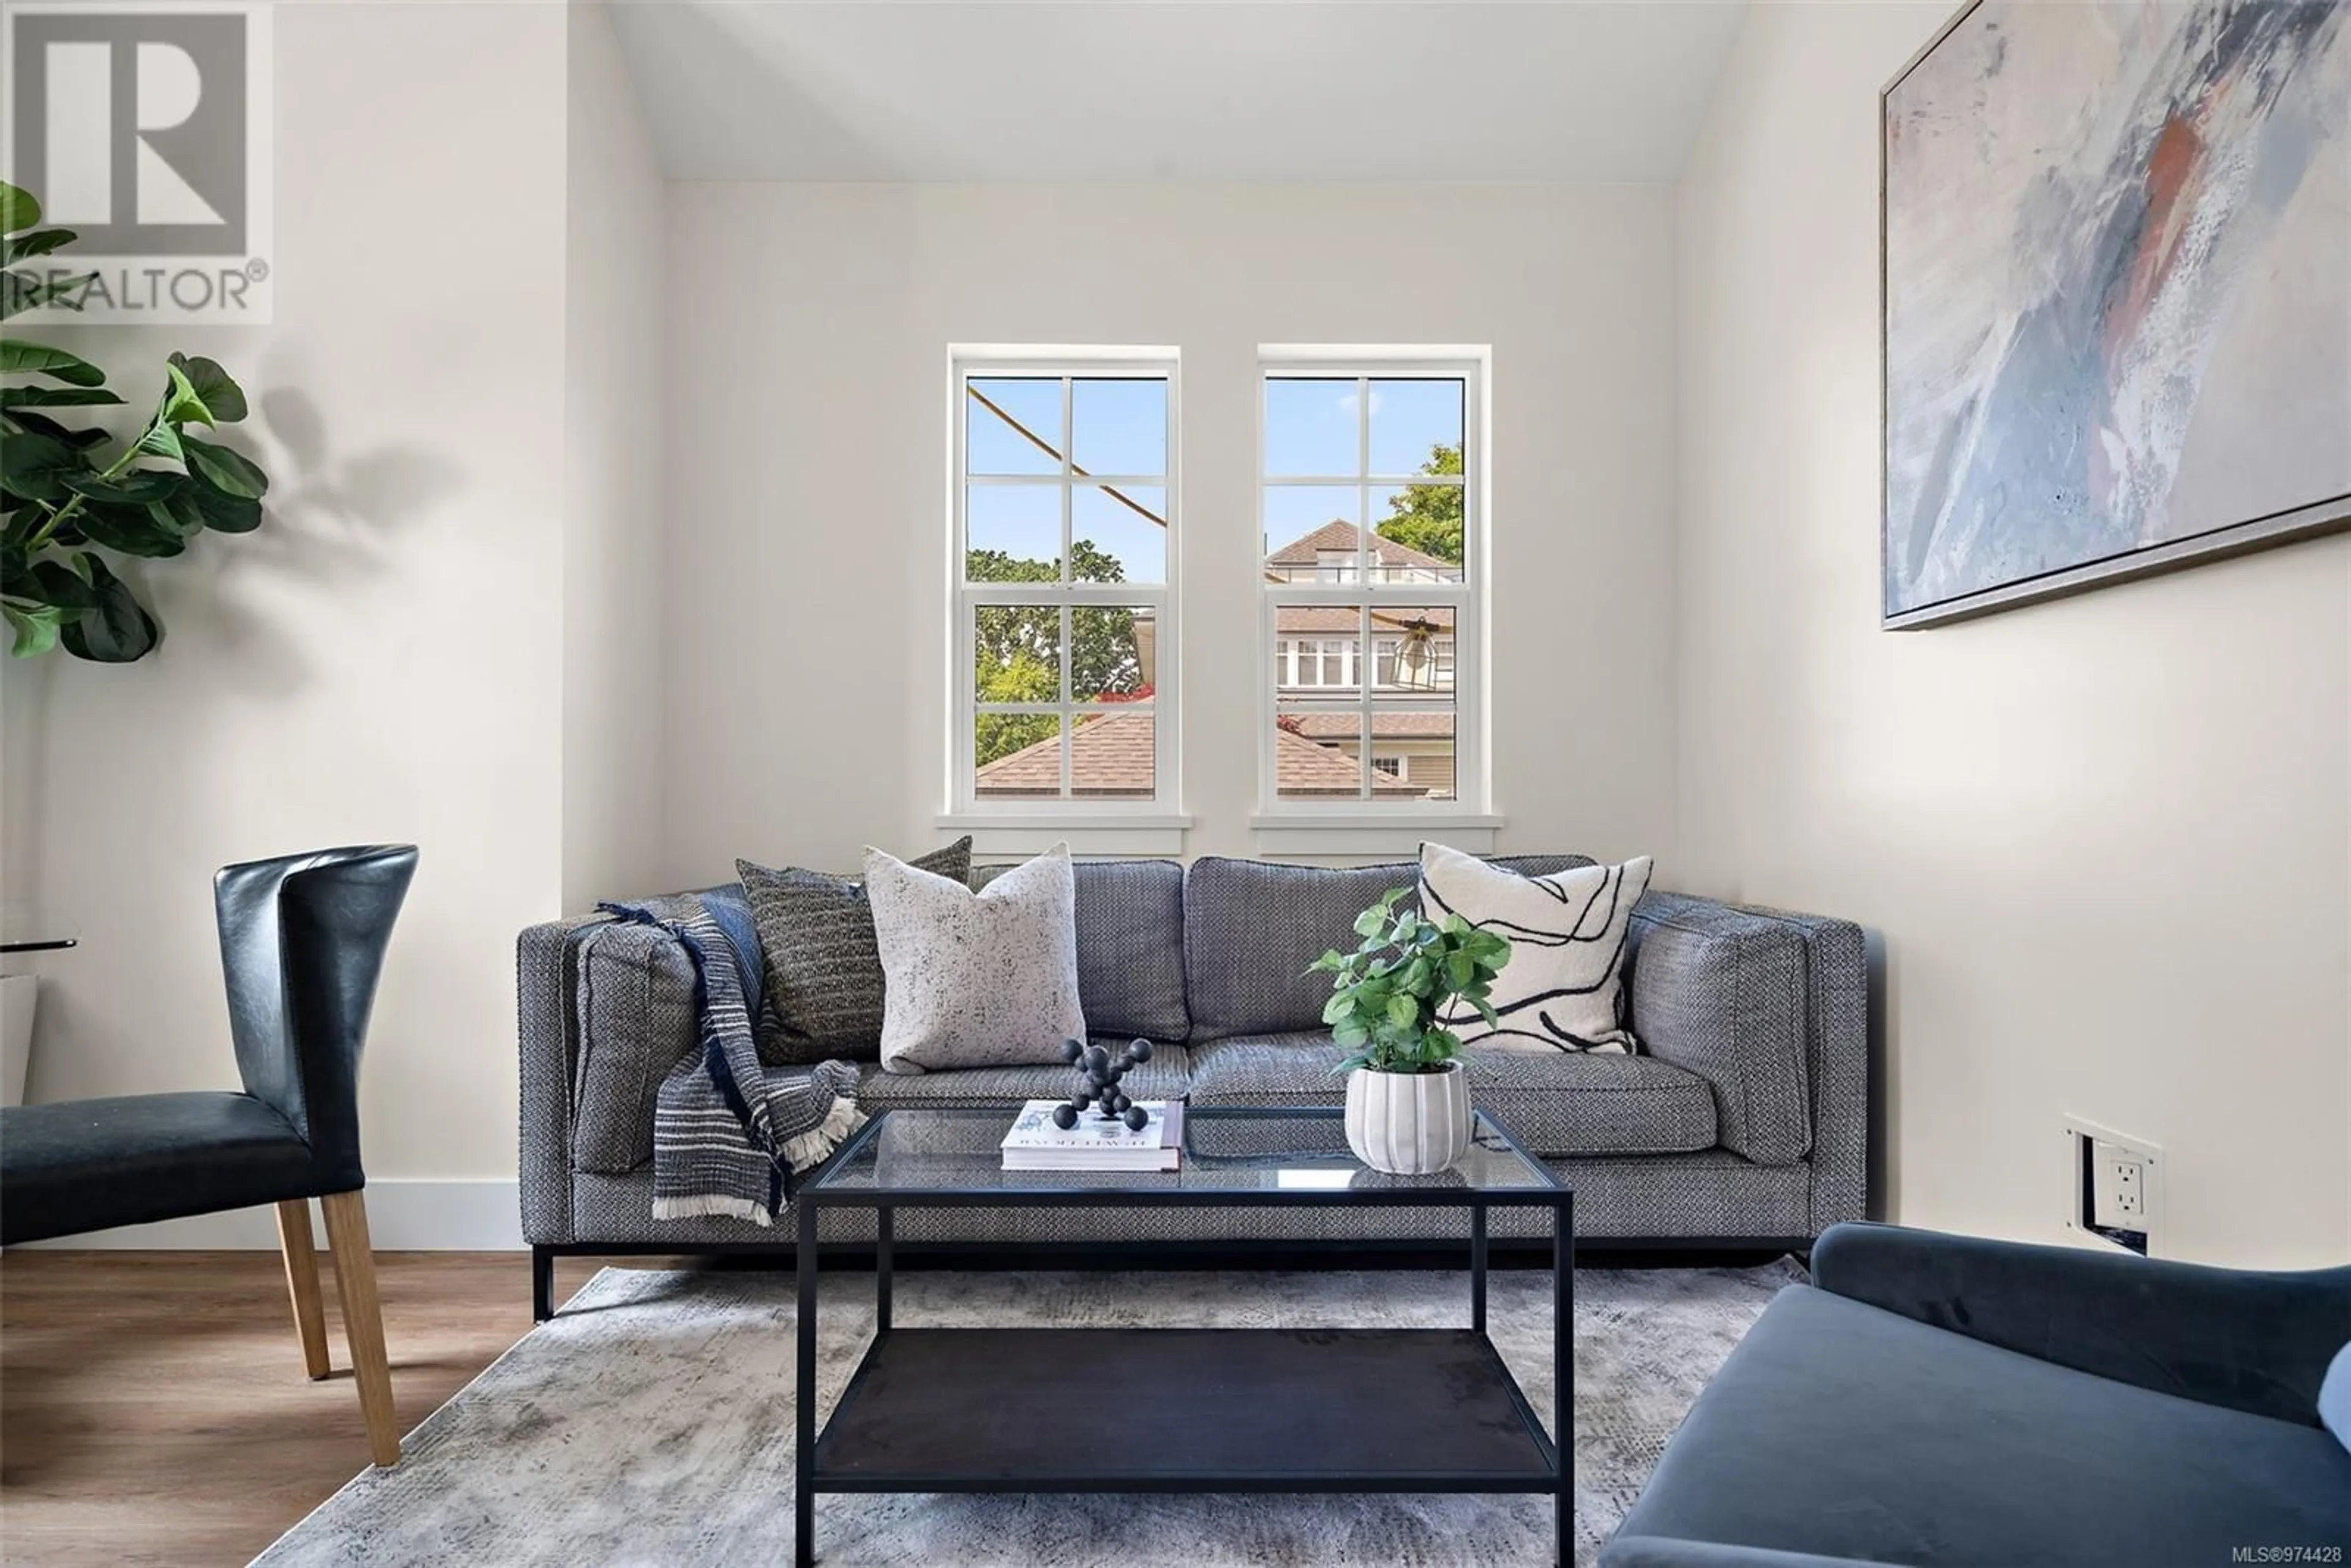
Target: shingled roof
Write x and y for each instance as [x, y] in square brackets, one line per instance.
[1340, 536]
[1112, 756]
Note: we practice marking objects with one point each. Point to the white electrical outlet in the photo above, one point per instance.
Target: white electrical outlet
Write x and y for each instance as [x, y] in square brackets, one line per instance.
[2112, 1183]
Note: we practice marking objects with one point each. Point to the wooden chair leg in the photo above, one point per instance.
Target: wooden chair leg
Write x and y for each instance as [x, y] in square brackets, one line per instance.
[347, 1237]
[302, 1283]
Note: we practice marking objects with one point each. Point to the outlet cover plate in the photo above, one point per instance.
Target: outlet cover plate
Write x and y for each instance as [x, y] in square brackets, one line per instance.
[2114, 1181]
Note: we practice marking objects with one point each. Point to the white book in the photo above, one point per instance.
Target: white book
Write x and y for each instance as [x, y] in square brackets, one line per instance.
[1095, 1143]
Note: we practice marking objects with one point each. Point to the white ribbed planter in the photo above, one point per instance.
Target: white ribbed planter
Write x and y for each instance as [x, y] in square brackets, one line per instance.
[1408, 1123]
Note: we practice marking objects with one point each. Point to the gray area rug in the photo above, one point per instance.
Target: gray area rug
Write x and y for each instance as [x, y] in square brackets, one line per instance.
[652, 1423]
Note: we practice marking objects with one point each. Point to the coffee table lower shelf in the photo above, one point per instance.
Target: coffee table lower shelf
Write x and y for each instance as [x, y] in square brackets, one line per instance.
[1171, 1410]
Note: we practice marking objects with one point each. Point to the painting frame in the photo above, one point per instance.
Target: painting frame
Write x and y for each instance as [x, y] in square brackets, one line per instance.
[2312, 520]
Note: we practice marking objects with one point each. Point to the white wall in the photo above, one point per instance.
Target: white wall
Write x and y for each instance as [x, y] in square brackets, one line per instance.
[382, 661]
[2106, 838]
[809, 452]
[615, 409]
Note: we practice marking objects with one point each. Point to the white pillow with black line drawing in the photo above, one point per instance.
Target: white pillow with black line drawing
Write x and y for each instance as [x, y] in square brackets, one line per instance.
[1563, 988]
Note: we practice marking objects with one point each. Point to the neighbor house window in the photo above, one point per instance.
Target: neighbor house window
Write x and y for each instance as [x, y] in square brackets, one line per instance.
[1370, 502]
[1064, 555]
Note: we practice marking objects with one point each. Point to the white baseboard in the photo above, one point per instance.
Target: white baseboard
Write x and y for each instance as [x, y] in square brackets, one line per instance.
[402, 1217]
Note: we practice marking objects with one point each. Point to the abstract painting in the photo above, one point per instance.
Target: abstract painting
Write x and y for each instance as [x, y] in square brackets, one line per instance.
[2118, 294]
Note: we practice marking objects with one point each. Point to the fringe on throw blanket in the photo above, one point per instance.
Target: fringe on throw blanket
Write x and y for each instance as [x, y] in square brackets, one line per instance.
[727, 1134]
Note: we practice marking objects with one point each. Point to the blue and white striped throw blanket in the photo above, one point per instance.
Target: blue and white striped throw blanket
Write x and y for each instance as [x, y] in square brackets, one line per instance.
[727, 1133]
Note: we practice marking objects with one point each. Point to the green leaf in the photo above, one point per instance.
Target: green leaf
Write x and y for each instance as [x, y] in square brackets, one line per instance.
[24, 247]
[23, 291]
[129, 527]
[1349, 1063]
[56, 397]
[1459, 969]
[19, 209]
[223, 399]
[1403, 1011]
[161, 440]
[133, 486]
[1350, 1034]
[34, 630]
[1486, 1010]
[118, 629]
[1373, 921]
[231, 473]
[1337, 1008]
[180, 404]
[193, 506]
[20, 358]
[41, 424]
[48, 581]
[36, 466]
[1419, 976]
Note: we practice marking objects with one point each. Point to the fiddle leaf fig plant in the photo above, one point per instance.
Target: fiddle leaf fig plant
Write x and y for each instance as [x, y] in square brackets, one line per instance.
[1389, 995]
[72, 496]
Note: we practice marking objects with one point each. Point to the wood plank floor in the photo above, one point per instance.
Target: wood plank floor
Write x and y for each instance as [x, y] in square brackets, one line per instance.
[154, 1408]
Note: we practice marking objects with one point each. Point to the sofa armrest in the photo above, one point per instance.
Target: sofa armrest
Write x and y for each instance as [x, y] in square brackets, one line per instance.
[607, 1008]
[549, 1047]
[2244, 1339]
[1772, 1008]
[1664, 1552]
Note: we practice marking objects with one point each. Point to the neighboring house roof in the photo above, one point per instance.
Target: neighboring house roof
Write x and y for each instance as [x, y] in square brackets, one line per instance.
[1339, 619]
[1339, 536]
[1113, 755]
[1322, 727]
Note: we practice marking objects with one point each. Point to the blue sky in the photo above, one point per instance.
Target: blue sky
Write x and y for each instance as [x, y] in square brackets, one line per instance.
[1312, 430]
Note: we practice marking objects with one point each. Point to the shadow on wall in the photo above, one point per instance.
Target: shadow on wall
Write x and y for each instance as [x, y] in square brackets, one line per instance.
[333, 520]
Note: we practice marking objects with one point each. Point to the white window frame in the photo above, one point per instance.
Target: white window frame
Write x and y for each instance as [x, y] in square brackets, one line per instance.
[1369, 826]
[1135, 826]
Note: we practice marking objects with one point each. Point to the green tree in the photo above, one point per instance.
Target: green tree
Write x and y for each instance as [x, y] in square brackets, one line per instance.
[1021, 676]
[1427, 517]
[1015, 646]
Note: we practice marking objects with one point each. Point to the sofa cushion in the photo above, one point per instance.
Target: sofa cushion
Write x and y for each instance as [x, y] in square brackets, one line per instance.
[1167, 1076]
[1725, 993]
[1556, 1103]
[1251, 927]
[1840, 1428]
[1130, 947]
[977, 979]
[1562, 988]
[822, 970]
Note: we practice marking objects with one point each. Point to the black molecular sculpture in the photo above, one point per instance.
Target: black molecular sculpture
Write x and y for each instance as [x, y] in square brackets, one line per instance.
[1099, 1073]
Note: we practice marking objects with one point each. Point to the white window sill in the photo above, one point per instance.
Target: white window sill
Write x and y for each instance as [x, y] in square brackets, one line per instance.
[1086, 833]
[1393, 834]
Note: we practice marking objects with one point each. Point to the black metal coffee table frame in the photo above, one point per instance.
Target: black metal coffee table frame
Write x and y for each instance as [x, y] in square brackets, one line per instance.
[1208, 1410]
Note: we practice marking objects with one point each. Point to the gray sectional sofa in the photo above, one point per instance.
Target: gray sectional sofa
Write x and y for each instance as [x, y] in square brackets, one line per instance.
[1744, 1123]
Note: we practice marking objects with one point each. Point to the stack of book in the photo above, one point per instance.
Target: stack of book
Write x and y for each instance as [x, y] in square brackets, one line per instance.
[1095, 1143]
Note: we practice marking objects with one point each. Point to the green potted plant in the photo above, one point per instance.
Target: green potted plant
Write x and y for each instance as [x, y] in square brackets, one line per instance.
[76, 500]
[1407, 1102]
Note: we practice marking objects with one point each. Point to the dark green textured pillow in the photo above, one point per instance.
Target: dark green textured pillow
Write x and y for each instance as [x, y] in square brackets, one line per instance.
[822, 965]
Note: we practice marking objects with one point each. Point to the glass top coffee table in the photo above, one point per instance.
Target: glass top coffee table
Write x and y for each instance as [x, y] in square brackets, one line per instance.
[1229, 1410]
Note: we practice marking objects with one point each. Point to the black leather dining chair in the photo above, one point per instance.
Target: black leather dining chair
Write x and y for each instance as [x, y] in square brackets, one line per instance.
[302, 942]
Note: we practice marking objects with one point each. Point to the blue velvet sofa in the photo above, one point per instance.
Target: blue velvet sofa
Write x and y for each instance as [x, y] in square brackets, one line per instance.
[1947, 1400]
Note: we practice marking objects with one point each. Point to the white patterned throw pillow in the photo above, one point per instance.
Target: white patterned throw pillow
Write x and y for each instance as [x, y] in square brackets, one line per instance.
[976, 980]
[1563, 988]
